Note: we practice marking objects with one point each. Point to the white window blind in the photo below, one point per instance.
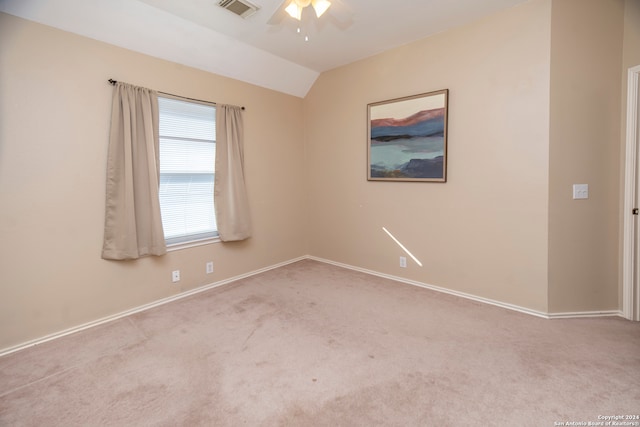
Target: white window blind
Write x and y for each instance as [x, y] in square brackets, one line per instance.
[187, 170]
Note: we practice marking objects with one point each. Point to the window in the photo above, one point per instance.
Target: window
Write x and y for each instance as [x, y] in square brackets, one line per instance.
[187, 170]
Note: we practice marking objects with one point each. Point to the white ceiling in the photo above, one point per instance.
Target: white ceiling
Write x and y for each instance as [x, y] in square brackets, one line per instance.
[201, 34]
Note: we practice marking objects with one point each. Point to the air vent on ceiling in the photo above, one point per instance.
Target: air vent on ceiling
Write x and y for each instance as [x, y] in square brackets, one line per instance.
[242, 8]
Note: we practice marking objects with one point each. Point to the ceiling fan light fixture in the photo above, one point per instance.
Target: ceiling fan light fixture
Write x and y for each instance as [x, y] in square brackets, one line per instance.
[294, 10]
[296, 6]
[320, 6]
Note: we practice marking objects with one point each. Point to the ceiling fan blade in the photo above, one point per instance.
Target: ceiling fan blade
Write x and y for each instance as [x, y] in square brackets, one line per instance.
[279, 14]
[340, 14]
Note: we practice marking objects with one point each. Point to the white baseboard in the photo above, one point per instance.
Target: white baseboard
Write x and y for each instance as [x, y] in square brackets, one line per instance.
[204, 288]
[569, 315]
[141, 308]
[475, 297]
[437, 288]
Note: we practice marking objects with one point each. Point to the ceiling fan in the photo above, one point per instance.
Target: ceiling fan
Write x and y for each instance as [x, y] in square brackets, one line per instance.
[296, 6]
[304, 14]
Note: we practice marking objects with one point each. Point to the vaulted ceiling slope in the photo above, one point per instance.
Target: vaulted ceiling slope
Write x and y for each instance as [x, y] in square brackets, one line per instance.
[201, 34]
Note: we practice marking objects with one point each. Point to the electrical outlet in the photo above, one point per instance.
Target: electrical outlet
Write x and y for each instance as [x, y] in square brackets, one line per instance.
[210, 267]
[403, 262]
[580, 191]
[175, 276]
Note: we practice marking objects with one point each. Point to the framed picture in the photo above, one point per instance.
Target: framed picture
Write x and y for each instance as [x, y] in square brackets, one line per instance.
[408, 138]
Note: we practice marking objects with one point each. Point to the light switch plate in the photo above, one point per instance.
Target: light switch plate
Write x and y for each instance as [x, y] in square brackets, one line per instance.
[580, 191]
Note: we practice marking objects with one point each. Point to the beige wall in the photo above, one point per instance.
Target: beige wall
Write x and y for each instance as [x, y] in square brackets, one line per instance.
[586, 58]
[484, 232]
[54, 117]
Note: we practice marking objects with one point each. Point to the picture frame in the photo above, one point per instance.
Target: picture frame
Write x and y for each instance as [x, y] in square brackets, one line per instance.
[407, 138]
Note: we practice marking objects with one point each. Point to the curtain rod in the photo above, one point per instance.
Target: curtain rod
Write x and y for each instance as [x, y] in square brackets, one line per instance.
[113, 83]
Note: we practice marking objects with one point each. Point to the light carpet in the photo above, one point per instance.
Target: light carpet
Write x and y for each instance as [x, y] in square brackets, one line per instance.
[311, 344]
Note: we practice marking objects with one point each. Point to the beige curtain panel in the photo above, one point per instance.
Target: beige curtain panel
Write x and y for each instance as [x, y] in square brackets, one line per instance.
[230, 197]
[133, 225]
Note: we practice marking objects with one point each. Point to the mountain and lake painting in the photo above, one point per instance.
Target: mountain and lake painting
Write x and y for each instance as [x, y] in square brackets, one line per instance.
[408, 138]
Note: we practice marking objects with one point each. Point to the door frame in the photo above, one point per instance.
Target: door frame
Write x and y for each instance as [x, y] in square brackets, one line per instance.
[630, 262]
